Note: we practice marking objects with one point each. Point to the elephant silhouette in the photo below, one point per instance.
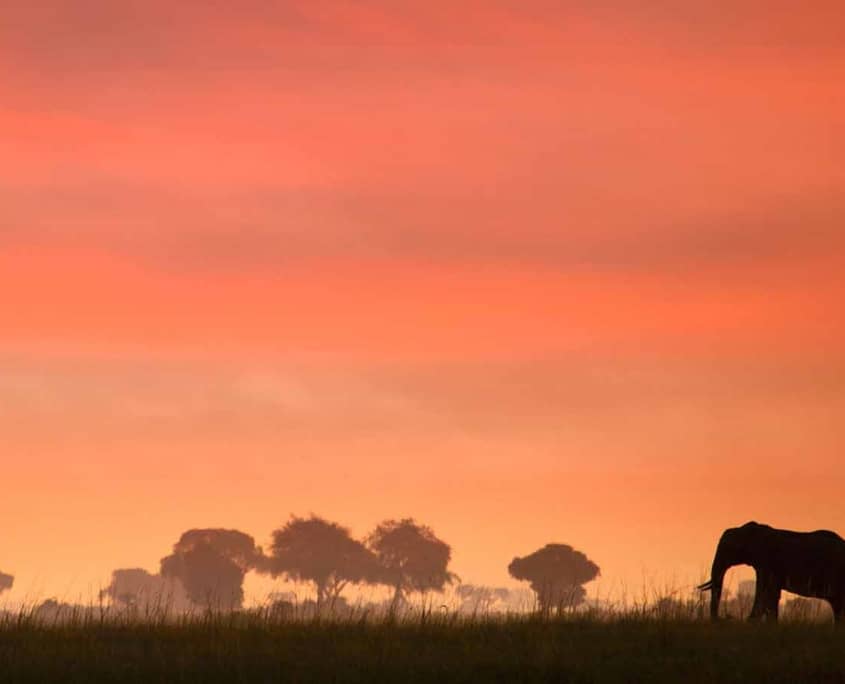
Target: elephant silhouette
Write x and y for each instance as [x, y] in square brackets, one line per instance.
[806, 563]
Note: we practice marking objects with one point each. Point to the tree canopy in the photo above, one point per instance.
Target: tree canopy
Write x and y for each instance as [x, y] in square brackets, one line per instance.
[556, 573]
[411, 556]
[323, 553]
[211, 565]
[238, 546]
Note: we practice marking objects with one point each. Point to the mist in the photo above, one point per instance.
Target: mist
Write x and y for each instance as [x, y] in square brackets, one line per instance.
[400, 564]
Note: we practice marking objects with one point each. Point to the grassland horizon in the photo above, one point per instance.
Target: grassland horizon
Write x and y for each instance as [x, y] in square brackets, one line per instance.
[655, 643]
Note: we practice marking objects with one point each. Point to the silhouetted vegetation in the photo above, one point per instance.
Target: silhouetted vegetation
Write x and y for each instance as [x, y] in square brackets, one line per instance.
[199, 630]
[257, 646]
[411, 557]
[801, 609]
[211, 565]
[323, 553]
[207, 567]
[478, 599]
[557, 573]
[479, 633]
[138, 589]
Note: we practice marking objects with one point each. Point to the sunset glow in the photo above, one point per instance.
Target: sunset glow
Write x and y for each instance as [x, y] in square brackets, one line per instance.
[527, 272]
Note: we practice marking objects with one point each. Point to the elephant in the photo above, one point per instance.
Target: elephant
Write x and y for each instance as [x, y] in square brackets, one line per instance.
[806, 563]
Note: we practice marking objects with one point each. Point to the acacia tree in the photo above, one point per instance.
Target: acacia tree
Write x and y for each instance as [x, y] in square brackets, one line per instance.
[6, 582]
[556, 574]
[137, 588]
[323, 553]
[234, 544]
[211, 565]
[411, 557]
[477, 598]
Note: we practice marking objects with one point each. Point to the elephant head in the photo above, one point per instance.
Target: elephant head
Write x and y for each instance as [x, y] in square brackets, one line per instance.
[738, 546]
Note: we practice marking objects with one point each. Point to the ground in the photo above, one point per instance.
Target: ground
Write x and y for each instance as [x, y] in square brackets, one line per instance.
[439, 649]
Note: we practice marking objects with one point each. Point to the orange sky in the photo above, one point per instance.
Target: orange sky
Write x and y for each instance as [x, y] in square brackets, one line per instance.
[527, 271]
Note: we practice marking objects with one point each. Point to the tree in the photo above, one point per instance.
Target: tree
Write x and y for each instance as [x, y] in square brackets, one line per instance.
[6, 582]
[411, 557]
[211, 565]
[477, 598]
[137, 588]
[323, 553]
[234, 544]
[556, 574]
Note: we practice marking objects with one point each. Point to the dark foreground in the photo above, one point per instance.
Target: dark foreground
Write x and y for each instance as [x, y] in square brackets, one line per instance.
[437, 651]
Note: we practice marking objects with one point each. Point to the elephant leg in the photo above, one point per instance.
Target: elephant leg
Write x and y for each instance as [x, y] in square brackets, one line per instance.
[758, 609]
[766, 599]
[837, 603]
[761, 602]
[773, 606]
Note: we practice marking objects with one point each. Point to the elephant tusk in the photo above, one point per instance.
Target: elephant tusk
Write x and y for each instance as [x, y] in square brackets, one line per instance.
[706, 586]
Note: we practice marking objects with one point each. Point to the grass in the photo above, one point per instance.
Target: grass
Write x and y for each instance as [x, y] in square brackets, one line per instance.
[255, 646]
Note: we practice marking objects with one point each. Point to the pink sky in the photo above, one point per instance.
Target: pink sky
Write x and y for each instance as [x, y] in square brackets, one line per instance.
[527, 271]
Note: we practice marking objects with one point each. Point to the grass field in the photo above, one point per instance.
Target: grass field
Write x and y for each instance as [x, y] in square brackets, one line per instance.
[437, 648]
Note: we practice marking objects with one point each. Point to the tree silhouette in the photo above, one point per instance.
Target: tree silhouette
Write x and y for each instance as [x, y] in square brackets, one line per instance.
[6, 582]
[476, 598]
[556, 573]
[323, 553]
[211, 564]
[137, 588]
[234, 544]
[411, 557]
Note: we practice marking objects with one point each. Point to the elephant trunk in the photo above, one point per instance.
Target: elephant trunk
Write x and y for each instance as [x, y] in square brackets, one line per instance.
[716, 595]
[717, 577]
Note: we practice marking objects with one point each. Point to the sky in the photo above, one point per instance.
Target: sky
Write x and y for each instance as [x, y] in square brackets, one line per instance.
[526, 271]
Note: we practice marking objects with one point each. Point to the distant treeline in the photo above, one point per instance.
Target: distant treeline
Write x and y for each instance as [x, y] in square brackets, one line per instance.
[206, 567]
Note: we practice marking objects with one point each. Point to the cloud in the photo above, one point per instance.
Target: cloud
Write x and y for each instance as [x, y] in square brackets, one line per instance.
[248, 231]
[141, 34]
[200, 136]
[533, 401]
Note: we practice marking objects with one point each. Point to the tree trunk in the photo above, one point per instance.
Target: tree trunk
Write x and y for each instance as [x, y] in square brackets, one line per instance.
[321, 595]
[397, 597]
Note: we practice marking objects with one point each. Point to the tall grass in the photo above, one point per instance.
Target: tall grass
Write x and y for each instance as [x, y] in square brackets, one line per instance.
[648, 641]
